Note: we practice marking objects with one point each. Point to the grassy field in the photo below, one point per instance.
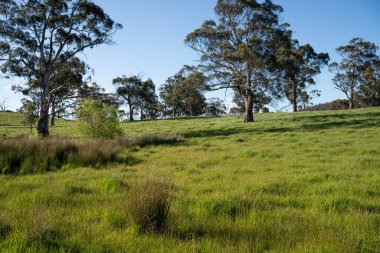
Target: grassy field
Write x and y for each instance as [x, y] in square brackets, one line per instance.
[305, 182]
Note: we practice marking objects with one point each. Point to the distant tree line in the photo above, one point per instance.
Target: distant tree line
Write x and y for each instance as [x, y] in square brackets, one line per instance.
[247, 50]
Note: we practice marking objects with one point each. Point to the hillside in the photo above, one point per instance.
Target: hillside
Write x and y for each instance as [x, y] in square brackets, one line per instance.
[305, 182]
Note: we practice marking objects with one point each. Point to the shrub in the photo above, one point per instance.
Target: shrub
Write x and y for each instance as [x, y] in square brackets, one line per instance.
[30, 115]
[98, 121]
[149, 205]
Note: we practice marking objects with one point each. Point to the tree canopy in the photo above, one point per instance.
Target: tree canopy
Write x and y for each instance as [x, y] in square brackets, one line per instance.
[239, 51]
[140, 96]
[37, 36]
[358, 66]
[299, 63]
[183, 93]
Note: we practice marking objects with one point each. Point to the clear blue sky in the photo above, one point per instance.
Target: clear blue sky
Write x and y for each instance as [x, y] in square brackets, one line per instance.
[151, 42]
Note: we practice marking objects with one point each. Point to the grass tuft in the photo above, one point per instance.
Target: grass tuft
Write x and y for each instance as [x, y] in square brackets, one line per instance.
[149, 206]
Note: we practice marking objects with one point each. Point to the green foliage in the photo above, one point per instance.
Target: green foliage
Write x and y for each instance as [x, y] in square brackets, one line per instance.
[215, 107]
[140, 96]
[149, 205]
[358, 73]
[31, 56]
[183, 93]
[300, 64]
[232, 49]
[30, 115]
[98, 121]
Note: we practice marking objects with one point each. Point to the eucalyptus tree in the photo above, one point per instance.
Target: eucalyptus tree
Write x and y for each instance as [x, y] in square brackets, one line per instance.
[239, 50]
[215, 107]
[368, 93]
[183, 93]
[65, 85]
[350, 72]
[148, 101]
[140, 96]
[36, 36]
[93, 91]
[300, 64]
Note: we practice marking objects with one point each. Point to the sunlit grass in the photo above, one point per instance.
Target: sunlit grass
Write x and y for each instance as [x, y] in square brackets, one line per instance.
[305, 182]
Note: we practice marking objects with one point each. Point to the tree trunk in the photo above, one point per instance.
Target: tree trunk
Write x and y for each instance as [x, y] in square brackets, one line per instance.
[351, 104]
[248, 101]
[378, 98]
[52, 120]
[130, 111]
[43, 124]
[131, 115]
[43, 121]
[351, 100]
[295, 106]
[248, 97]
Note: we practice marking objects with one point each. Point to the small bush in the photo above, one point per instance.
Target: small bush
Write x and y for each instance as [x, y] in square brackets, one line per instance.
[149, 206]
[98, 121]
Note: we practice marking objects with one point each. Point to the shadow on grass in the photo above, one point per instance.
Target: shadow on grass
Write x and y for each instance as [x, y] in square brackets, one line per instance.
[304, 123]
[227, 132]
[337, 115]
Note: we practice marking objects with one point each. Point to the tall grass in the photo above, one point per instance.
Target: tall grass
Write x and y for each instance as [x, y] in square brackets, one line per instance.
[27, 155]
[149, 205]
[152, 139]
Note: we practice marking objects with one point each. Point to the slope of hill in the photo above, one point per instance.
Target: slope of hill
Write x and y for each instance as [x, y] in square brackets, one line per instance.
[305, 182]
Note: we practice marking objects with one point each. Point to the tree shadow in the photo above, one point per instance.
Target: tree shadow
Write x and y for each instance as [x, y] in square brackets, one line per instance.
[304, 123]
[228, 132]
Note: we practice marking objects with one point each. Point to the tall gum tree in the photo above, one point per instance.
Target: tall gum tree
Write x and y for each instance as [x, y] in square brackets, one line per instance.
[350, 72]
[37, 35]
[300, 64]
[238, 52]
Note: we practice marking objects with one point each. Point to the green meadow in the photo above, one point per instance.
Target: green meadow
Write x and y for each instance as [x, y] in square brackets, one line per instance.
[303, 182]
